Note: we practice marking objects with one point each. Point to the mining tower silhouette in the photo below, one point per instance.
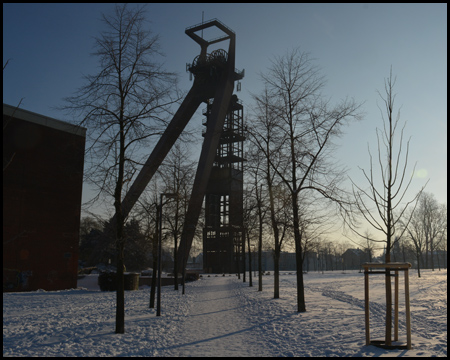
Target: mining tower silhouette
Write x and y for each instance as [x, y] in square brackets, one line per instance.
[219, 176]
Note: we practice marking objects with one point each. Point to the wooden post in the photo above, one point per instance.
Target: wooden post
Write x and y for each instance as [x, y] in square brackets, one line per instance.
[396, 307]
[366, 304]
[388, 337]
[408, 315]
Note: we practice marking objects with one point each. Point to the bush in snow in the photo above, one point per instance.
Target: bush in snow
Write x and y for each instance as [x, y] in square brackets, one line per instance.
[107, 281]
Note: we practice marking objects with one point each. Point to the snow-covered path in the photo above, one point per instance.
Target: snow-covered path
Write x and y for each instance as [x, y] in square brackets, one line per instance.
[221, 316]
[216, 312]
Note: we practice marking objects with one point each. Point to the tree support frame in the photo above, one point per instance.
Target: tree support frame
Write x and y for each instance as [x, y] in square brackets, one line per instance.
[396, 267]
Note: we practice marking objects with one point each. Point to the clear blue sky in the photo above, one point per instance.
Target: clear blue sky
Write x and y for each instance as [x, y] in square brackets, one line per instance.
[49, 48]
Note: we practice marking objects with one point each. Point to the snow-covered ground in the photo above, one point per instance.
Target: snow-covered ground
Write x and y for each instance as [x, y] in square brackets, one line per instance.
[221, 316]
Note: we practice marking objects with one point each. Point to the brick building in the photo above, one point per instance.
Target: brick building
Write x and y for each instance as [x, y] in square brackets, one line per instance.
[42, 184]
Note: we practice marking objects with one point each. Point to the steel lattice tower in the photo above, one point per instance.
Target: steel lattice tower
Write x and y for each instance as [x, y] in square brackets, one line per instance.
[223, 231]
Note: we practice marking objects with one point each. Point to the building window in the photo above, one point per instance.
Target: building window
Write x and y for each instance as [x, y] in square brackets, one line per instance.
[224, 210]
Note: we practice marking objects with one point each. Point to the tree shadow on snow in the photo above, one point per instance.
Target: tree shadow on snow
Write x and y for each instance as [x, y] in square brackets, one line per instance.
[242, 331]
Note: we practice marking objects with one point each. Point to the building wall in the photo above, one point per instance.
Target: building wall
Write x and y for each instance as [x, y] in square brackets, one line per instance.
[42, 186]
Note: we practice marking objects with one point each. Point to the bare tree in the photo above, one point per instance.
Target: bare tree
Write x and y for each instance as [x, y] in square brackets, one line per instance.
[264, 137]
[149, 215]
[389, 195]
[393, 177]
[315, 224]
[256, 207]
[306, 125]
[93, 247]
[178, 176]
[425, 227]
[414, 231]
[441, 243]
[122, 106]
[434, 217]
[368, 244]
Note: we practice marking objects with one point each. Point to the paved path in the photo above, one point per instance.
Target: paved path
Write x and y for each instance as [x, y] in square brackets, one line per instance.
[216, 312]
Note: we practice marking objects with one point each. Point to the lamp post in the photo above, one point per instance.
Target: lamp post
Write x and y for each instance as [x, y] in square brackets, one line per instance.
[158, 301]
[184, 270]
[254, 253]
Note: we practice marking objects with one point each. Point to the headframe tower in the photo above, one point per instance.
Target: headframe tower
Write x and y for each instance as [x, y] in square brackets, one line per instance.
[219, 170]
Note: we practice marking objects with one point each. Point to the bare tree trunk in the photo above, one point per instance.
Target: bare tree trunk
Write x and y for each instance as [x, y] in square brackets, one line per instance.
[276, 272]
[431, 254]
[418, 262]
[175, 249]
[276, 233]
[155, 262]
[438, 261]
[250, 279]
[120, 241]
[260, 218]
[301, 306]
[120, 304]
[388, 304]
[260, 265]
[389, 224]
[243, 255]
[238, 260]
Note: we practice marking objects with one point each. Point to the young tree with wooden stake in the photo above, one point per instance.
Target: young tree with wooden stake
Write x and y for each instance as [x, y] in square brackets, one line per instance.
[387, 199]
[122, 106]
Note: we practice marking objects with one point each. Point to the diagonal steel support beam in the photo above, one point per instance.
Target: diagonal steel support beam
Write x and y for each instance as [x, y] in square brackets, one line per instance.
[196, 95]
[176, 126]
[212, 137]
